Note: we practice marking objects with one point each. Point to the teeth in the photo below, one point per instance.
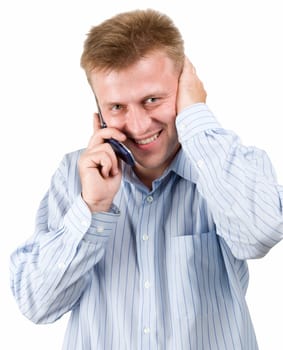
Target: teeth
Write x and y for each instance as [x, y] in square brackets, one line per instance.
[146, 141]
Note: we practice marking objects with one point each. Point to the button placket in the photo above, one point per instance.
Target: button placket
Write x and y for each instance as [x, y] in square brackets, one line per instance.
[146, 258]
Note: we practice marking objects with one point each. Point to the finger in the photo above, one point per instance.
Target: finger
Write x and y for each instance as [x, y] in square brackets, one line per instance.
[109, 167]
[114, 164]
[96, 157]
[188, 67]
[96, 139]
[96, 122]
[96, 127]
[100, 162]
[105, 165]
[100, 135]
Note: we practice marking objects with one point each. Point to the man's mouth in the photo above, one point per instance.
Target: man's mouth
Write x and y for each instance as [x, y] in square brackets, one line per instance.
[148, 140]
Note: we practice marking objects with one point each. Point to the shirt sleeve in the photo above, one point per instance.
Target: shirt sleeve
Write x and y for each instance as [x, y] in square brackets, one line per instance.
[52, 269]
[238, 183]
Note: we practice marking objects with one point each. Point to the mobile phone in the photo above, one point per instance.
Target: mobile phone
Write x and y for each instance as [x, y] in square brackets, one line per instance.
[119, 148]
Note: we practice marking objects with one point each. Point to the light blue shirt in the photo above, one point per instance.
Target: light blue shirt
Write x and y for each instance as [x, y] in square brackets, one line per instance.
[164, 269]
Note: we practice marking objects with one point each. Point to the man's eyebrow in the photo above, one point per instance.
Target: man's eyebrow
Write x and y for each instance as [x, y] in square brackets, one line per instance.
[154, 94]
[112, 103]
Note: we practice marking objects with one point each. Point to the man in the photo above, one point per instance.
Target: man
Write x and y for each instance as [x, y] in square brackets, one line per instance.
[151, 256]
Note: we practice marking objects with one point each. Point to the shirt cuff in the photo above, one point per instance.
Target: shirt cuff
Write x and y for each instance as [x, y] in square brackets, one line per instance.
[194, 120]
[81, 223]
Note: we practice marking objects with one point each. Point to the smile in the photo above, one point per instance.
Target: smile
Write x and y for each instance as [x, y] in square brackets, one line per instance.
[148, 140]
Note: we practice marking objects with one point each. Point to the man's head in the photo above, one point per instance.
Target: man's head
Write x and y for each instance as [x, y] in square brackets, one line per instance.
[125, 38]
[133, 63]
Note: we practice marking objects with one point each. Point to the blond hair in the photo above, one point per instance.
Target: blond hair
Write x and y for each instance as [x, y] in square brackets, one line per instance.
[127, 37]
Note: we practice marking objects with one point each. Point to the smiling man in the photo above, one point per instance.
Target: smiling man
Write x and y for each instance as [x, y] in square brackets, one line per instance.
[140, 103]
[150, 256]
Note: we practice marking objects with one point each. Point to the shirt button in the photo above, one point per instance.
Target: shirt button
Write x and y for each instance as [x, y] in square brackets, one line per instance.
[145, 237]
[100, 229]
[149, 199]
[146, 284]
[200, 163]
[61, 266]
[146, 330]
[84, 223]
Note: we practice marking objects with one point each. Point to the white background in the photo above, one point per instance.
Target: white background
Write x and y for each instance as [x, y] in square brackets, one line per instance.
[46, 110]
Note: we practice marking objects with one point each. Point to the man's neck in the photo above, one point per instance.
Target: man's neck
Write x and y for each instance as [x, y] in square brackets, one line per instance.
[148, 175]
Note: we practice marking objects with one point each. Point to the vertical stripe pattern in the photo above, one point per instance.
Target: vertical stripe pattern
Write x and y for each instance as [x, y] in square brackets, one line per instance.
[165, 269]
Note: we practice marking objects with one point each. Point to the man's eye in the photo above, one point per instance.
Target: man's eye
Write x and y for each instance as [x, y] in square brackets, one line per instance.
[116, 107]
[151, 100]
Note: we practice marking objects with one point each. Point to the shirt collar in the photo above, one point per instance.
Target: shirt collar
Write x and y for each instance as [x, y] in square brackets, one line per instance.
[181, 165]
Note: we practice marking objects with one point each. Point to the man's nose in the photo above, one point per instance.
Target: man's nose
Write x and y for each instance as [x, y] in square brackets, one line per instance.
[138, 120]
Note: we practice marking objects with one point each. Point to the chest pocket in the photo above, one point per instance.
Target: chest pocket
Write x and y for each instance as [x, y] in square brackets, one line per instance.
[197, 276]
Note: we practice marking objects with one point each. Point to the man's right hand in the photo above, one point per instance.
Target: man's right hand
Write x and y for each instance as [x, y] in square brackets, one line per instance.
[99, 169]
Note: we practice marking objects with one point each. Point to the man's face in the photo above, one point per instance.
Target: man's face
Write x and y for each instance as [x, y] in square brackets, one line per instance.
[140, 101]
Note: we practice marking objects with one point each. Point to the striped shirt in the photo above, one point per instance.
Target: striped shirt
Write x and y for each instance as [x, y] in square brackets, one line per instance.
[165, 268]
